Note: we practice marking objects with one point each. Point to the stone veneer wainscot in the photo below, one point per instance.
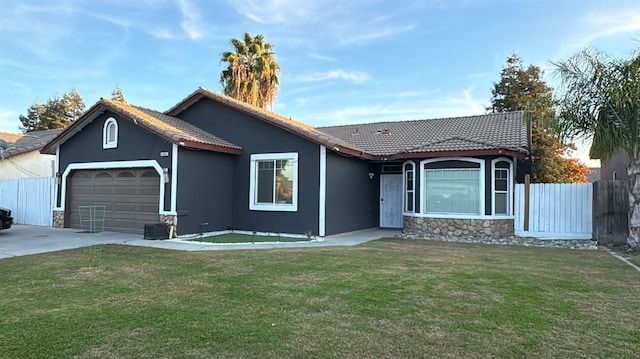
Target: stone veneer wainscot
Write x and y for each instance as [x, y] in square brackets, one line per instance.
[58, 219]
[469, 228]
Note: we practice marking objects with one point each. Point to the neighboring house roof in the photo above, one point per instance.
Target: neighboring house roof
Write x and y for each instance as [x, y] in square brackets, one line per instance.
[594, 175]
[172, 129]
[306, 131]
[19, 143]
[499, 133]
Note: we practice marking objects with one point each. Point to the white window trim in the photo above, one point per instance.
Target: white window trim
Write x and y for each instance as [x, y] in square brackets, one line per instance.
[405, 189]
[106, 144]
[452, 215]
[510, 181]
[293, 207]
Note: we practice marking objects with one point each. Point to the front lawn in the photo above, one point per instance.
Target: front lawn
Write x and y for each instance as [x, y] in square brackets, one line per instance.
[386, 299]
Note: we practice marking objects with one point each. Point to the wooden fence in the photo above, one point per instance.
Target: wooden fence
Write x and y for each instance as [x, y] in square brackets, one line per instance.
[29, 199]
[556, 211]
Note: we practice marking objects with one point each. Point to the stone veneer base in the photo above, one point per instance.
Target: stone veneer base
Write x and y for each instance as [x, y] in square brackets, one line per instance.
[468, 228]
[58, 219]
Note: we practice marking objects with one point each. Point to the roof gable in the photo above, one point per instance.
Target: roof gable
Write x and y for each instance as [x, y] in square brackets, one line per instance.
[298, 128]
[172, 129]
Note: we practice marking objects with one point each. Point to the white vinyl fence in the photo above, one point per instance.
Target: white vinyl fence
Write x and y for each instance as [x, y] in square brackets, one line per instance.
[556, 210]
[29, 199]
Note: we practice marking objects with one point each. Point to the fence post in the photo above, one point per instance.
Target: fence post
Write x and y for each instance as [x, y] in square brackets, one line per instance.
[527, 186]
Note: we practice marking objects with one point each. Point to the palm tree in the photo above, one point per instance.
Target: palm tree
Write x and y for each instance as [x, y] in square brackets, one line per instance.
[252, 72]
[602, 102]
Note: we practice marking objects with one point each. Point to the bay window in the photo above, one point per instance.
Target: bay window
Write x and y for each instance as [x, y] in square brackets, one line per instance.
[452, 187]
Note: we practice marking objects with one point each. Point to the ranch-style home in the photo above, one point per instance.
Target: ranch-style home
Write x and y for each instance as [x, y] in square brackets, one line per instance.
[213, 163]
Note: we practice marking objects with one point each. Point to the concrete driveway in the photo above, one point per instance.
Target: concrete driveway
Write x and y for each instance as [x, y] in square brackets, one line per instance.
[22, 240]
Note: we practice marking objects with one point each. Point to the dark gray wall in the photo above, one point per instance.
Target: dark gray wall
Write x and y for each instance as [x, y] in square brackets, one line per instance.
[256, 136]
[617, 163]
[352, 200]
[134, 143]
[205, 189]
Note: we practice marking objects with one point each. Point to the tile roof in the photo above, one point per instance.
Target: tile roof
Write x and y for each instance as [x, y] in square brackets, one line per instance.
[502, 131]
[170, 128]
[301, 129]
[19, 143]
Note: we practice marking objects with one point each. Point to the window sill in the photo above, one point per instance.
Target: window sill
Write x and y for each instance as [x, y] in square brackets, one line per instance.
[273, 208]
[457, 216]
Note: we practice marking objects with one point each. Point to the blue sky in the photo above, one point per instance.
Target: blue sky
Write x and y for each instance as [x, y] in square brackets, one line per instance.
[342, 61]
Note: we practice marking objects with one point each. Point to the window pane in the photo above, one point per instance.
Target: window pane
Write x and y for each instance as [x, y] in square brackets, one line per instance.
[501, 184]
[452, 191]
[112, 132]
[409, 201]
[265, 182]
[501, 181]
[501, 203]
[284, 182]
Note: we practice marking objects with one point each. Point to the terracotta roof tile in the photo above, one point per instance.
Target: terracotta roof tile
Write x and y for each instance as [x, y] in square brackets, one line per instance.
[299, 128]
[19, 143]
[502, 131]
[169, 127]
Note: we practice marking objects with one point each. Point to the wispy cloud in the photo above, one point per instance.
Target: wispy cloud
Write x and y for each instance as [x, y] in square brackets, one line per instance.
[280, 11]
[337, 74]
[322, 57]
[600, 25]
[621, 22]
[461, 103]
[191, 20]
[373, 34]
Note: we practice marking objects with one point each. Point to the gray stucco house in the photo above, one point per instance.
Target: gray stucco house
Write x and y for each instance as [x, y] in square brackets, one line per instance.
[213, 163]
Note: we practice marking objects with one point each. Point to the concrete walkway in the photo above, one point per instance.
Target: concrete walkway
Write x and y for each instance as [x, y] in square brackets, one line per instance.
[22, 240]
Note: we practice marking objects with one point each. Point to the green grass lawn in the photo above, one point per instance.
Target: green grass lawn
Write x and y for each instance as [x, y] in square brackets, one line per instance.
[247, 238]
[386, 299]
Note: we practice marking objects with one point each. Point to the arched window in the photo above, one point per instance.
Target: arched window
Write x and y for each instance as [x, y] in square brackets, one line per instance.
[501, 187]
[409, 187]
[110, 133]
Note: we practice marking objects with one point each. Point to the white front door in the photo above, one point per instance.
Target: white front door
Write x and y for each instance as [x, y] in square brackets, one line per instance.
[391, 201]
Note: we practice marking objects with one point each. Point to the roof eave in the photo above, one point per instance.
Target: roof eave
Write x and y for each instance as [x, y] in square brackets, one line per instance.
[201, 93]
[209, 147]
[469, 153]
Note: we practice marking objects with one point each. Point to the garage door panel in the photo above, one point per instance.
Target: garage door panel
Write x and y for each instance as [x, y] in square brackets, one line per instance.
[124, 207]
[130, 196]
[102, 191]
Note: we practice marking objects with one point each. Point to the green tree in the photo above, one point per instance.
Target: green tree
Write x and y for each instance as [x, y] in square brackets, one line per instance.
[57, 112]
[118, 95]
[522, 89]
[252, 73]
[601, 101]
